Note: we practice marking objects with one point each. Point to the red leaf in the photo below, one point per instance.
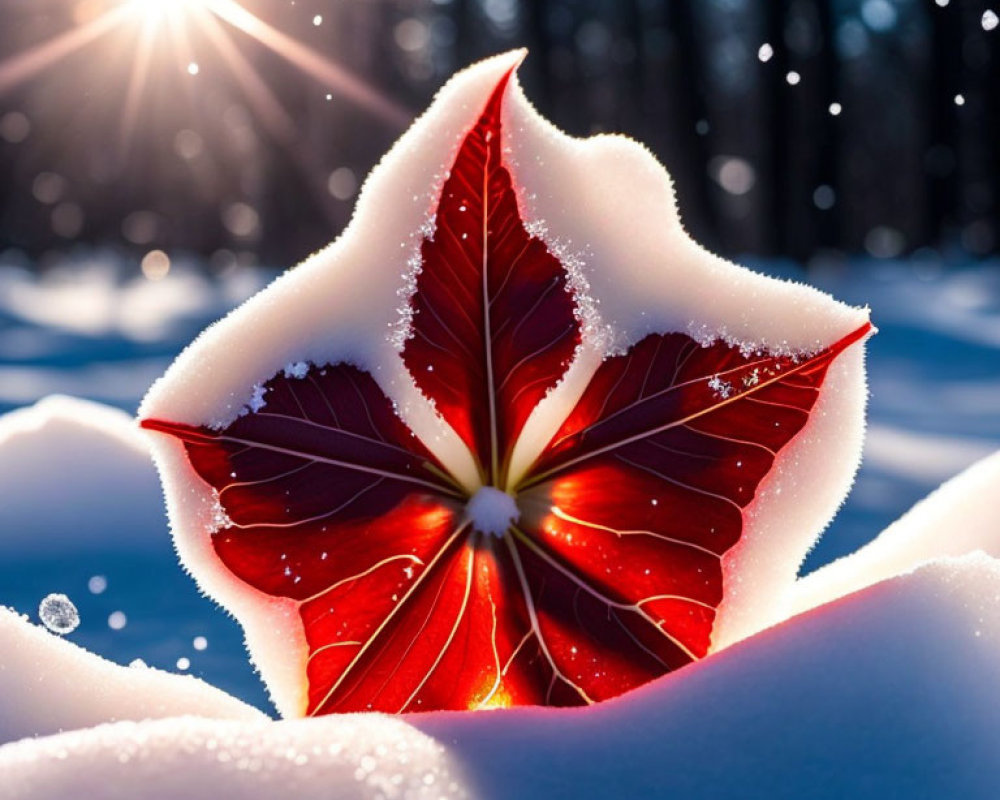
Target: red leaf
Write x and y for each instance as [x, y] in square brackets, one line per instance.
[328, 498]
[611, 575]
[494, 324]
[642, 490]
[456, 644]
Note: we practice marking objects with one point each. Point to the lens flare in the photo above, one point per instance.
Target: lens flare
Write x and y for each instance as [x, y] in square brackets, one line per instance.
[154, 27]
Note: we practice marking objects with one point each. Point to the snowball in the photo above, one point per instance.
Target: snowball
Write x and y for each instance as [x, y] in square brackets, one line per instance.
[58, 614]
[491, 511]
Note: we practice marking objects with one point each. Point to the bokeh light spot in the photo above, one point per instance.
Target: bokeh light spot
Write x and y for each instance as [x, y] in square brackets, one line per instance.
[342, 183]
[155, 265]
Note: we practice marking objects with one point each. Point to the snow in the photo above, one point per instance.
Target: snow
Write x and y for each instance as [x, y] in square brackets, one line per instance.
[81, 514]
[362, 756]
[60, 686]
[960, 517]
[58, 461]
[888, 693]
[491, 511]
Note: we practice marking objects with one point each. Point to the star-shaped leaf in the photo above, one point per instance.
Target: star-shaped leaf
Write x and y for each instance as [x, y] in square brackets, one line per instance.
[504, 443]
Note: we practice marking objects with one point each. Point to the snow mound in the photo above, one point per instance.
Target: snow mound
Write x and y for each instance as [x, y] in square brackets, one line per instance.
[889, 693]
[73, 473]
[960, 517]
[358, 756]
[49, 684]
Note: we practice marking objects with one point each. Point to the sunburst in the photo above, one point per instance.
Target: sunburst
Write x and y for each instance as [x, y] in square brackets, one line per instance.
[155, 28]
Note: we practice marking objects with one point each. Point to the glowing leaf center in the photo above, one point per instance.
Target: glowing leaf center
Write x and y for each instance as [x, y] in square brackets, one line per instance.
[492, 511]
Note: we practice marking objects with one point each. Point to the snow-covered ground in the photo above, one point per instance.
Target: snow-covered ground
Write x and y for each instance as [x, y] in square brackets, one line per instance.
[89, 330]
[81, 513]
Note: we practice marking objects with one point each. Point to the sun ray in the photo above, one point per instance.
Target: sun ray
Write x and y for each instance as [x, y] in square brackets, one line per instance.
[199, 34]
[263, 101]
[309, 61]
[179, 37]
[266, 106]
[23, 66]
[136, 86]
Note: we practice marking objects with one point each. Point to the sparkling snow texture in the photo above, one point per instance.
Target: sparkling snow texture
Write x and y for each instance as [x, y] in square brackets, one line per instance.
[58, 614]
[889, 693]
[49, 684]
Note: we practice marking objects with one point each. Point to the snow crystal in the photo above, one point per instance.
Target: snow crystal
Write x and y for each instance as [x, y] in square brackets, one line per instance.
[296, 369]
[58, 614]
[257, 401]
[722, 388]
[766, 52]
[594, 331]
[183, 663]
[97, 584]
[199, 643]
[990, 20]
[219, 519]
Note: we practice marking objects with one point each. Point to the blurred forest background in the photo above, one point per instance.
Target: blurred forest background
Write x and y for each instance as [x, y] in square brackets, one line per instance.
[793, 128]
